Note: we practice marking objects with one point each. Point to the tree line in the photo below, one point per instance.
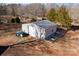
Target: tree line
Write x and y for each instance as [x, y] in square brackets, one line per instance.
[58, 15]
[36, 9]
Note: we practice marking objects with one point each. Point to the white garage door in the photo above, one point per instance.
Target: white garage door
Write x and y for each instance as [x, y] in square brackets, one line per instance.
[32, 31]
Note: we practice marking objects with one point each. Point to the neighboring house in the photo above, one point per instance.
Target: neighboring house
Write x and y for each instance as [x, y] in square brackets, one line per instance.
[75, 24]
[39, 18]
[6, 18]
[40, 29]
[24, 19]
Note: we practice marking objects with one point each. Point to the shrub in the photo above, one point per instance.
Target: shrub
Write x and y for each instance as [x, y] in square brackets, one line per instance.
[33, 19]
[17, 20]
[13, 20]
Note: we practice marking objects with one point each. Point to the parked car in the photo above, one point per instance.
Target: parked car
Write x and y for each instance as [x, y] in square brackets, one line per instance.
[21, 33]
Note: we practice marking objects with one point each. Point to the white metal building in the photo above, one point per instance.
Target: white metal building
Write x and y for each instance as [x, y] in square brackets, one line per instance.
[40, 29]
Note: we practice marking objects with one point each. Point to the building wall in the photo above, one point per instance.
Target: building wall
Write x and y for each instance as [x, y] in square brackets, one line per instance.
[34, 30]
[40, 32]
[25, 28]
[50, 30]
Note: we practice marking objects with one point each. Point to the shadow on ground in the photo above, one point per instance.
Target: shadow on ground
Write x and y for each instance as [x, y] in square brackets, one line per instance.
[58, 34]
[3, 49]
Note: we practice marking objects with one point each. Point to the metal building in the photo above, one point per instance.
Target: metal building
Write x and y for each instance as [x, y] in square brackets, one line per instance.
[40, 29]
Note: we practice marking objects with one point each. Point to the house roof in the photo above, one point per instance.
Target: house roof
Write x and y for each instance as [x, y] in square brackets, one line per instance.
[75, 22]
[45, 23]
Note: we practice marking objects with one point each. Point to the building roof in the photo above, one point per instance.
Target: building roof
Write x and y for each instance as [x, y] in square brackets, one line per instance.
[75, 24]
[45, 23]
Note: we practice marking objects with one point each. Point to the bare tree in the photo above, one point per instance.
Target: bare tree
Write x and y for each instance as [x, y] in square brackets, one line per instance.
[3, 9]
[35, 9]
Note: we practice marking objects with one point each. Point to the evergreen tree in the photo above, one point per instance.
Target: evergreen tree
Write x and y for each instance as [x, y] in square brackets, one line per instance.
[66, 19]
[33, 19]
[61, 15]
[51, 14]
[12, 20]
[17, 20]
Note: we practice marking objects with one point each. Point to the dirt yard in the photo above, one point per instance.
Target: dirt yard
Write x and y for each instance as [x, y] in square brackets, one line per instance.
[13, 39]
[67, 46]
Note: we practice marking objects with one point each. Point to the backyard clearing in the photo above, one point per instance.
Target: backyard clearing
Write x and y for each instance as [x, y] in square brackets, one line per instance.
[8, 35]
[67, 46]
[13, 39]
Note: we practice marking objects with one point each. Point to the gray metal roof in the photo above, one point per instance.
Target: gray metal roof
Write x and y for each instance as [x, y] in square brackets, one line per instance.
[44, 23]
